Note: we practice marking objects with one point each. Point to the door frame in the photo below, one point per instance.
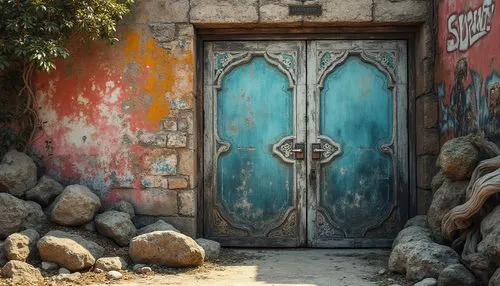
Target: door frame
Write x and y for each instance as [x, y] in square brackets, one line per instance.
[407, 33]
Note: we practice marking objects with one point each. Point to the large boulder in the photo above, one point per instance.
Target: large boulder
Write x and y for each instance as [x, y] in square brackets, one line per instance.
[45, 191]
[69, 250]
[76, 206]
[110, 263]
[458, 158]
[19, 246]
[490, 246]
[495, 279]
[17, 173]
[159, 225]
[168, 248]
[17, 214]
[124, 207]
[22, 273]
[115, 225]
[421, 259]
[491, 222]
[456, 275]
[419, 220]
[211, 248]
[448, 196]
[412, 234]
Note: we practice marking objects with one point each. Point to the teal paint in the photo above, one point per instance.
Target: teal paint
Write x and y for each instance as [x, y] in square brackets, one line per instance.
[356, 112]
[254, 111]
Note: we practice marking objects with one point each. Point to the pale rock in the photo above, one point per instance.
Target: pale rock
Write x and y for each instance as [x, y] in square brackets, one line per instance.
[49, 266]
[19, 246]
[114, 275]
[76, 206]
[63, 270]
[110, 263]
[456, 275]
[17, 173]
[22, 273]
[427, 282]
[458, 158]
[69, 250]
[168, 248]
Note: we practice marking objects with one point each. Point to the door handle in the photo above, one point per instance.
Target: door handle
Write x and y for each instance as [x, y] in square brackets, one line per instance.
[299, 151]
[317, 151]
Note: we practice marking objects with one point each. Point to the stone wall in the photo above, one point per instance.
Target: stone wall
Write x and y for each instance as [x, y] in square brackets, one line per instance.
[121, 119]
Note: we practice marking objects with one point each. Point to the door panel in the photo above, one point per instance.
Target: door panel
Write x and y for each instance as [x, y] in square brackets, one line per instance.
[255, 186]
[357, 94]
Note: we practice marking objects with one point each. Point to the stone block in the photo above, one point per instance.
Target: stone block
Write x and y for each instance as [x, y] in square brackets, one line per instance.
[353, 11]
[153, 202]
[165, 11]
[424, 199]
[426, 169]
[427, 140]
[176, 140]
[272, 11]
[154, 140]
[163, 32]
[161, 164]
[175, 183]
[169, 124]
[187, 164]
[402, 10]
[425, 76]
[427, 112]
[186, 123]
[187, 203]
[223, 11]
[151, 181]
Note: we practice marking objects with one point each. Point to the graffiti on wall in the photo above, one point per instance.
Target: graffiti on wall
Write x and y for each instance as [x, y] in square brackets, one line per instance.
[469, 27]
[467, 68]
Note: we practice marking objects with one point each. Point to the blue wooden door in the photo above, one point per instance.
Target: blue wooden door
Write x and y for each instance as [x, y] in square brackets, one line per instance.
[358, 138]
[254, 186]
[295, 160]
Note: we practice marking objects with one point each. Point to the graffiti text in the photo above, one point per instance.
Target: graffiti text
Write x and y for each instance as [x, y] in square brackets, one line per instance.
[469, 27]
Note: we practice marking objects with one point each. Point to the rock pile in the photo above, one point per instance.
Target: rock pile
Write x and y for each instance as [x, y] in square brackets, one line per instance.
[458, 242]
[29, 205]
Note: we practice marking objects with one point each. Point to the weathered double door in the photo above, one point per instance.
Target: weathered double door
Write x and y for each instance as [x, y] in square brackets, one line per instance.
[305, 142]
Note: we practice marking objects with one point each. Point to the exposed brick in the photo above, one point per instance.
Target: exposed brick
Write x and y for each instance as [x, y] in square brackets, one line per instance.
[223, 11]
[153, 140]
[425, 76]
[426, 169]
[151, 181]
[424, 199]
[402, 10]
[177, 183]
[187, 203]
[431, 112]
[176, 140]
[187, 165]
[164, 165]
[341, 11]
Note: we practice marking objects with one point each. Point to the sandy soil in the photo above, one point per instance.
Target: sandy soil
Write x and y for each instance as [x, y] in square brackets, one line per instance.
[279, 267]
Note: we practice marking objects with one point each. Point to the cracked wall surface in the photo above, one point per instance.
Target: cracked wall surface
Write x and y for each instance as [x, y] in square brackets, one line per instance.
[121, 119]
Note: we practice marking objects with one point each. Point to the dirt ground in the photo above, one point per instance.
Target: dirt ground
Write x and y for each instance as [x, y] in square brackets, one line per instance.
[279, 267]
